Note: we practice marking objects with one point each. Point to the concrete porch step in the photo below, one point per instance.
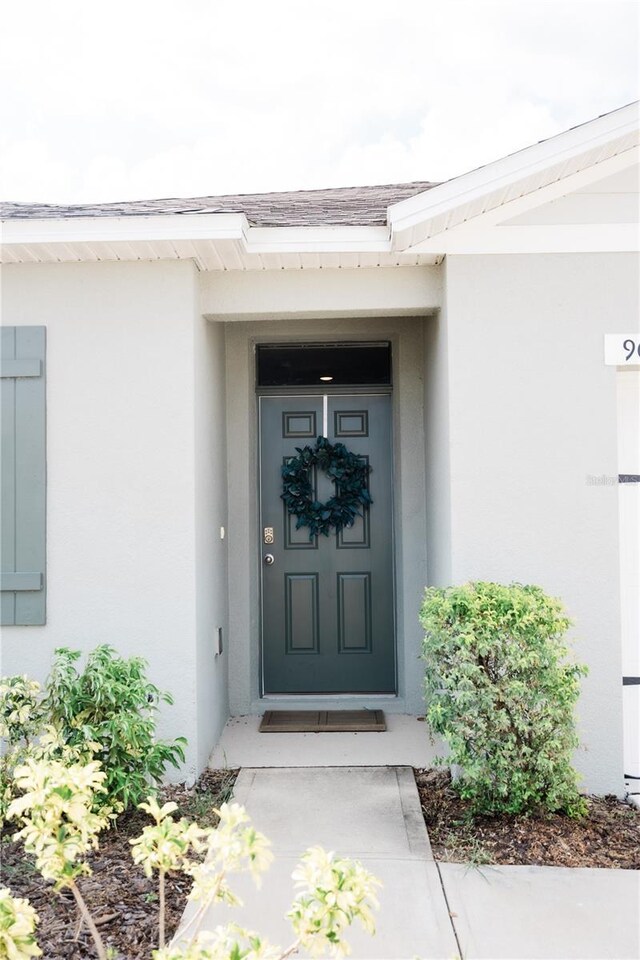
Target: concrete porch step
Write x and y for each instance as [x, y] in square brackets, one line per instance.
[405, 742]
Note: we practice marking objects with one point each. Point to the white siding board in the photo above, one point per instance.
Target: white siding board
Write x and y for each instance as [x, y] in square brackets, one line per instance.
[364, 260]
[147, 251]
[84, 252]
[209, 255]
[104, 251]
[63, 253]
[52, 252]
[349, 260]
[331, 260]
[183, 250]
[163, 249]
[231, 258]
[310, 261]
[126, 251]
[21, 253]
[270, 261]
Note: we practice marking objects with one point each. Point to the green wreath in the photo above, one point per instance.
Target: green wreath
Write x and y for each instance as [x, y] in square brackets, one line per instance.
[349, 473]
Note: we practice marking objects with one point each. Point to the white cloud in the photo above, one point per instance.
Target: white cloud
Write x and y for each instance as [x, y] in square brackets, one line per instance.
[157, 98]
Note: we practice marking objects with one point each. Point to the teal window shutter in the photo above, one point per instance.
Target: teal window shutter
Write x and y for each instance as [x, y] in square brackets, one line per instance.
[23, 477]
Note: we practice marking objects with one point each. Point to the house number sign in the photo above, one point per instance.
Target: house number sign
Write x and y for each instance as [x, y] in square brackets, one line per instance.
[621, 349]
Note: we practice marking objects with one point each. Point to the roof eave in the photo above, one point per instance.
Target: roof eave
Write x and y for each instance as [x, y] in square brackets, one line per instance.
[209, 227]
[472, 194]
[427, 218]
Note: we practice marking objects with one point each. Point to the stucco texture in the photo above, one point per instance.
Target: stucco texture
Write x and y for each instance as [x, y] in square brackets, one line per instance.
[532, 414]
[121, 523]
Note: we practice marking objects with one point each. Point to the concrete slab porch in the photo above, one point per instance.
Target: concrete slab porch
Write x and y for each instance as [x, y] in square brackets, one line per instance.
[405, 742]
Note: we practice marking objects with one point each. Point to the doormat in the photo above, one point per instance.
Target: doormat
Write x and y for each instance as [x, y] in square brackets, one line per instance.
[323, 721]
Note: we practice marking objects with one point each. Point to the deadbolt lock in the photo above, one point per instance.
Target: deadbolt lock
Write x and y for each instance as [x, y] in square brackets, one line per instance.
[268, 534]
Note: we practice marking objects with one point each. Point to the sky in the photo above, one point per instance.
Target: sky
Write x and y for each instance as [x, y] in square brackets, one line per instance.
[184, 98]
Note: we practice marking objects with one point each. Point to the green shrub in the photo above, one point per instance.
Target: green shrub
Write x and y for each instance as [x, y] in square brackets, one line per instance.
[20, 723]
[500, 690]
[112, 707]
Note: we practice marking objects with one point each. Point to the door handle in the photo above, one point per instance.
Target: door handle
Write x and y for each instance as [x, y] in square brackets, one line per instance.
[269, 559]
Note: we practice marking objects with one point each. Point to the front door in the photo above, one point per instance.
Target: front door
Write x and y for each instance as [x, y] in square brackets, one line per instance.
[327, 602]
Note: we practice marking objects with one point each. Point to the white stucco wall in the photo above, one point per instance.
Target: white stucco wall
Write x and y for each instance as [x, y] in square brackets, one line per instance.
[121, 524]
[532, 415]
[211, 534]
[437, 450]
[321, 294]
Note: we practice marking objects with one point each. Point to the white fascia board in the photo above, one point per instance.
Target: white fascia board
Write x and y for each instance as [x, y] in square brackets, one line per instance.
[338, 239]
[254, 240]
[407, 216]
[216, 226]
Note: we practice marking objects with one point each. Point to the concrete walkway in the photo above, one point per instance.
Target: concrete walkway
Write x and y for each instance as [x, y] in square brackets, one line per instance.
[544, 913]
[428, 910]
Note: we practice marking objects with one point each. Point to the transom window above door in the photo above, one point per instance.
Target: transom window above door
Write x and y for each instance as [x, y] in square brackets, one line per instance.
[323, 364]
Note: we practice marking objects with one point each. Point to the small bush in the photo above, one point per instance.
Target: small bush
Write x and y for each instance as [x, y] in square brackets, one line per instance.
[21, 720]
[500, 690]
[107, 712]
[111, 706]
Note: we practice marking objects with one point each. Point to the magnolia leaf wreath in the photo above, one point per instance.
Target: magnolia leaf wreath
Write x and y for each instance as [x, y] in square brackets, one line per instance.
[346, 469]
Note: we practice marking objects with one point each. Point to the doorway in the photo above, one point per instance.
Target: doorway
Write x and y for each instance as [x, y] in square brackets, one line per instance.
[243, 536]
[328, 600]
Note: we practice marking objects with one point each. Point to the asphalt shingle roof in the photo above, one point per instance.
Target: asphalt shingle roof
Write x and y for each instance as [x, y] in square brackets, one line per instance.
[342, 206]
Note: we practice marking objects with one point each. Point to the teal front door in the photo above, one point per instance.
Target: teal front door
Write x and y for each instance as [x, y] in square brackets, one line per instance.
[327, 602]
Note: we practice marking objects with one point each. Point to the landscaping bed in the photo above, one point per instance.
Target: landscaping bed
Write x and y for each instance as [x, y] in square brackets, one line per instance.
[123, 901]
[608, 836]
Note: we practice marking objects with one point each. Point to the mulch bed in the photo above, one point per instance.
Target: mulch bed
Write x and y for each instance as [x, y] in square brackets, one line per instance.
[608, 836]
[123, 902]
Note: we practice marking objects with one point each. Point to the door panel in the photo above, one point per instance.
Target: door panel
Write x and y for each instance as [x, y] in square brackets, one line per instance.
[327, 602]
